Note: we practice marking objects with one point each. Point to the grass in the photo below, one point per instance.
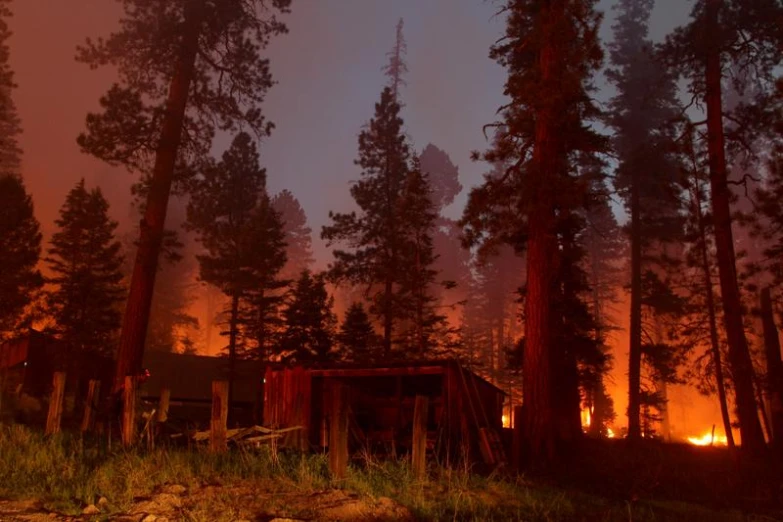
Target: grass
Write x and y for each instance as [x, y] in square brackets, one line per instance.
[67, 473]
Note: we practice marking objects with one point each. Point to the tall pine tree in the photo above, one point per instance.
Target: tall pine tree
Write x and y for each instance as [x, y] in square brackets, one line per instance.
[187, 68]
[358, 341]
[378, 255]
[704, 52]
[85, 259]
[20, 236]
[550, 50]
[232, 216]
[20, 248]
[647, 178]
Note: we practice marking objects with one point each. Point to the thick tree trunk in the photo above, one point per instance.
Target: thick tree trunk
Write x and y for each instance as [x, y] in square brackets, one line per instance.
[714, 344]
[137, 309]
[739, 355]
[774, 369]
[538, 426]
[635, 332]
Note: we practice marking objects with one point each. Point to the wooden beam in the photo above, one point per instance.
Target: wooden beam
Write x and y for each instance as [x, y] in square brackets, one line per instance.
[379, 372]
[338, 431]
[419, 452]
[163, 405]
[129, 411]
[90, 405]
[56, 404]
[217, 433]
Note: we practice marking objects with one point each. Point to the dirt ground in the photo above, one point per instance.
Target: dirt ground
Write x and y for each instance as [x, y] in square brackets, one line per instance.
[247, 503]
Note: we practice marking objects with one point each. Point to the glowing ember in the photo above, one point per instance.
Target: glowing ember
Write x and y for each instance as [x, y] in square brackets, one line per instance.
[506, 421]
[708, 439]
[609, 433]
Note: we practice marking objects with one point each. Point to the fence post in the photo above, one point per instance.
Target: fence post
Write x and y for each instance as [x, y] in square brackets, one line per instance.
[163, 405]
[56, 404]
[129, 411]
[419, 451]
[93, 395]
[338, 431]
[217, 432]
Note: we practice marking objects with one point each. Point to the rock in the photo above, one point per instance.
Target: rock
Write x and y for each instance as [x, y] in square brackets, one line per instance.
[92, 509]
[175, 489]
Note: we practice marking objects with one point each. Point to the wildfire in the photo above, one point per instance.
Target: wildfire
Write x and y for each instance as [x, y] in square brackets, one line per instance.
[709, 439]
[609, 433]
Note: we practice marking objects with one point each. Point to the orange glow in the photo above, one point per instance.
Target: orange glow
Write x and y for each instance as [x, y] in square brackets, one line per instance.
[709, 439]
[506, 421]
[609, 433]
[586, 418]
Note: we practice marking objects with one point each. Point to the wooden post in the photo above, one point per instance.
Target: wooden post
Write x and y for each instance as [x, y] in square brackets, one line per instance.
[93, 395]
[218, 424]
[338, 431]
[56, 404]
[516, 439]
[419, 452]
[163, 405]
[129, 411]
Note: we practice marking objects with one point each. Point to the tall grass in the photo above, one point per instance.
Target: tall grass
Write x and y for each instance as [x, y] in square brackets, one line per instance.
[67, 473]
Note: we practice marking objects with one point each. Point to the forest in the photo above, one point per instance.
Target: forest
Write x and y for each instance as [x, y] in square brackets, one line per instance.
[624, 245]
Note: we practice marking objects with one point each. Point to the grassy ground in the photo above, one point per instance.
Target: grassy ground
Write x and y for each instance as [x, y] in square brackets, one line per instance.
[66, 474]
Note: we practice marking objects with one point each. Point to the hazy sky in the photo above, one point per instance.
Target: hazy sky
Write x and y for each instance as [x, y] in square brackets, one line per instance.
[329, 73]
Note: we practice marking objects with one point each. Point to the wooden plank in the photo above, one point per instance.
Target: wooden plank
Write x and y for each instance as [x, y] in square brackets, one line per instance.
[378, 372]
[129, 411]
[218, 423]
[90, 405]
[338, 431]
[56, 404]
[419, 452]
[163, 405]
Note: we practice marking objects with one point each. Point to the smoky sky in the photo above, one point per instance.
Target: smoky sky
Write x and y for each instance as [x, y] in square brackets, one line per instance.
[328, 70]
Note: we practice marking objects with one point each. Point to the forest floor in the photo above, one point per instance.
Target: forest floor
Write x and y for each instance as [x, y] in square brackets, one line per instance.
[67, 479]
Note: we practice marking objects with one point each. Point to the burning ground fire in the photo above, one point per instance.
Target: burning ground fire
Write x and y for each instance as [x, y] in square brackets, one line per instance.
[709, 439]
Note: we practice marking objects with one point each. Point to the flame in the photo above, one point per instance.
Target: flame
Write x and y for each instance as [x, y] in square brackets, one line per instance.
[586, 418]
[709, 439]
[609, 433]
[506, 421]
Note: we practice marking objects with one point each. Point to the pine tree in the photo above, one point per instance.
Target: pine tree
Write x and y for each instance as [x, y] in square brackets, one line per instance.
[85, 259]
[20, 248]
[10, 125]
[233, 220]
[427, 328]
[550, 52]
[358, 341]
[701, 52]
[397, 67]
[376, 233]
[309, 321]
[298, 235]
[187, 68]
[443, 177]
[642, 113]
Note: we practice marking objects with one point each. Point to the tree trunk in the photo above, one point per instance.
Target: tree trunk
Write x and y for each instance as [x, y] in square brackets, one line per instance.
[774, 369]
[137, 309]
[710, 297]
[232, 348]
[261, 328]
[739, 355]
[635, 332]
[541, 257]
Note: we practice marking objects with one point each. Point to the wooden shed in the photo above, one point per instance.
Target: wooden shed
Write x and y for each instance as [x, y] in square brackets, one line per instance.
[464, 415]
